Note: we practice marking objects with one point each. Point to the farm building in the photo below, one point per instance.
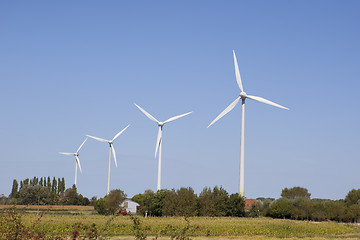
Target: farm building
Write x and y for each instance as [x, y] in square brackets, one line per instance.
[249, 203]
[129, 205]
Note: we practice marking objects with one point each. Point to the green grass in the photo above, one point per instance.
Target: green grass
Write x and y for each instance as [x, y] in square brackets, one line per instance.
[214, 227]
[60, 221]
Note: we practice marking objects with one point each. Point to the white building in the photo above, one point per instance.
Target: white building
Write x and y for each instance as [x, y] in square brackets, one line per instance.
[129, 205]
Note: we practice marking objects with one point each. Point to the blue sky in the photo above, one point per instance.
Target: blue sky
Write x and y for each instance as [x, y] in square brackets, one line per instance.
[68, 69]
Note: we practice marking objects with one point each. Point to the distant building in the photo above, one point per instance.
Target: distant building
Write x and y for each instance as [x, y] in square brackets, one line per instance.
[129, 205]
[249, 203]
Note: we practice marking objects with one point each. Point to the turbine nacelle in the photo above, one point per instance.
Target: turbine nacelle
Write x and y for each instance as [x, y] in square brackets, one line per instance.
[160, 124]
[243, 95]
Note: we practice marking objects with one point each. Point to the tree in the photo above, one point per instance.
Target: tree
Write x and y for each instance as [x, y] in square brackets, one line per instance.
[110, 204]
[114, 199]
[71, 197]
[182, 202]
[353, 213]
[59, 186]
[145, 201]
[54, 186]
[220, 198]
[213, 203]
[187, 202]
[353, 197]
[206, 205]
[157, 202]
[236, 206]
[48, 183]
[265, 205]
[92, 201]
[62, 185]
[14, 191]
[35, 195]
[295, 192]
[282, 208]
[100, 206]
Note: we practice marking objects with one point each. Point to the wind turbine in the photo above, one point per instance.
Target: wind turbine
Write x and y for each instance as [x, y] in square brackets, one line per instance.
[77, 160]
[242, 97]
[159, 138]
[111, 149]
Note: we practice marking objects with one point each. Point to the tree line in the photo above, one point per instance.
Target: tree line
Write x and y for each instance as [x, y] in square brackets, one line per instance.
[44, 191]
[295, 203]
[181, 202]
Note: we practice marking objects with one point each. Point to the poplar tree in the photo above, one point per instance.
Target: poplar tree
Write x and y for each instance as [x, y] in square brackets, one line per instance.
[49, 183]
[14, 191]
[54, 185]
[36, 181]
[63, 185]
[59, 186]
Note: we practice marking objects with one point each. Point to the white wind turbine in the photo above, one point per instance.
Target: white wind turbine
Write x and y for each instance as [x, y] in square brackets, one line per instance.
[111, 149]
[159, 138]
[242, 96]
[77, 160]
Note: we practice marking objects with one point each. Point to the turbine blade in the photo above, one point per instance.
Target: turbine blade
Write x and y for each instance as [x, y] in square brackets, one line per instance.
[147, 114]
[158, 140]
[120, 132]
[263, 100]
[176, 117]
[113, 151]
[66, 153]
[228, 109]
[78, 162]
[81, 145]
[99, 139]
[237, 73]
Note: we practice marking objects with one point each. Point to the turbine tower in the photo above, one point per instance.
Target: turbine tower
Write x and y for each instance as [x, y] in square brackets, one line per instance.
[242, 97]
[159, 138]
[111, 149]
[77, 161]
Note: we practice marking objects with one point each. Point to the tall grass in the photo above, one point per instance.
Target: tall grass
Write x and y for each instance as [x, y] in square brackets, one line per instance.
[204, 226]
[79, 221]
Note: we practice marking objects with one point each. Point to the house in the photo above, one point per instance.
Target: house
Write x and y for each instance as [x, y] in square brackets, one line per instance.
[249, 203]
[129, 205]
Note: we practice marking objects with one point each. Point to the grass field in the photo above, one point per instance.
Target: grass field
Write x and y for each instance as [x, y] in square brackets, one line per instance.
[59, 221]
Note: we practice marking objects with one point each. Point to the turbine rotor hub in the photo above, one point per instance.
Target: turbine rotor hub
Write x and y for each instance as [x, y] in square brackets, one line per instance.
[161, 124]
[243, 95]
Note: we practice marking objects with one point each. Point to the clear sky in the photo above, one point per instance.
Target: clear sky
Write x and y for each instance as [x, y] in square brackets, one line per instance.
[71, 68]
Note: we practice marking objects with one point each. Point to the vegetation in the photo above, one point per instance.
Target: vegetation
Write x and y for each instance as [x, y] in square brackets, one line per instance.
[294, 204]
[110, 204]
[184, 202]
[295, 192]
[43, 191]
[82, 225]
